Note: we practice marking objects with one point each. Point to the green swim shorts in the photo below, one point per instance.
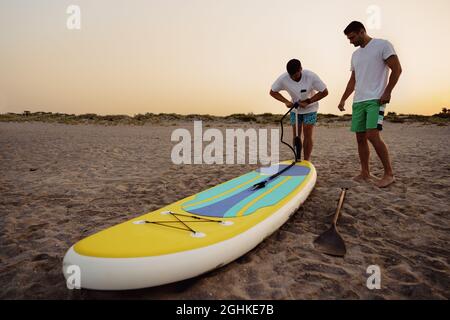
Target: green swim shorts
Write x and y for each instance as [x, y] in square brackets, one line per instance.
[367, 115]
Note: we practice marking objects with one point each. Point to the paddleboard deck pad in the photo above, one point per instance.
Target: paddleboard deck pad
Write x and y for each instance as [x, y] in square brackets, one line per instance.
[194, 235]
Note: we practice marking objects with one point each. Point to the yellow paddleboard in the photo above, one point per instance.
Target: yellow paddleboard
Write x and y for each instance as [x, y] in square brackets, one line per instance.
[191, 236]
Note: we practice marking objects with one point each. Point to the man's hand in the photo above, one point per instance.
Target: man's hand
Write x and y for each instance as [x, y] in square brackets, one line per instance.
[385, 98]
[278, 96]
[305, 103]
[348, 91]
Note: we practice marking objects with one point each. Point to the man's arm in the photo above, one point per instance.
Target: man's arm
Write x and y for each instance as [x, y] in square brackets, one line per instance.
[348, 91]
[396, 69]
[279, 97]
[318, 96]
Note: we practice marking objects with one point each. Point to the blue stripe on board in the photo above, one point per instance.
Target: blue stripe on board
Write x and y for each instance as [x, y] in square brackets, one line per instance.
[220, 208]
[293, 171]
[230, 204]
[216, 191]
[276, 195]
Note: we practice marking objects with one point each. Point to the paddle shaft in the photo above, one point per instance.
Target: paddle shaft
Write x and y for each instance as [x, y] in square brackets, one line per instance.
[338, 210]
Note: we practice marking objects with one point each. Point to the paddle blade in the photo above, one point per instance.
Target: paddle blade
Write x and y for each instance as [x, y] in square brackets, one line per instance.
[330, 242]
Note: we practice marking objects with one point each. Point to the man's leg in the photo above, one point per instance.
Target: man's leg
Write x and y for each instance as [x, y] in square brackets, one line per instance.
[364, 155]
[359, 127]
[373, 135]
[375, 116]
[308, 140]
[309, 121]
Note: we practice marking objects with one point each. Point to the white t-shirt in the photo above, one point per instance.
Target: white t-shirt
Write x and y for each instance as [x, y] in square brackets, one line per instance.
[371, 71]
[304, 89]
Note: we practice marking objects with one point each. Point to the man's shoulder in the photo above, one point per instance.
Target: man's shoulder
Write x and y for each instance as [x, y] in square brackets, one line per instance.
[381, 42]
[356, 52]
[281, 82]
[309, 73]
[283, 76]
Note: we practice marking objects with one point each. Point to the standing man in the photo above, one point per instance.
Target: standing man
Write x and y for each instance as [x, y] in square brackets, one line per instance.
[306, 88]
[370, 69]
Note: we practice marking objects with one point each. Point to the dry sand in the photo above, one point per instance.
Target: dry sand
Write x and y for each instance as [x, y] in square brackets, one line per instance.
[60, 183]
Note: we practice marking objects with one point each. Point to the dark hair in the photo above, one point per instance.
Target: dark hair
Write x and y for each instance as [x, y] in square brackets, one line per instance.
[354, 26]
[293, 66]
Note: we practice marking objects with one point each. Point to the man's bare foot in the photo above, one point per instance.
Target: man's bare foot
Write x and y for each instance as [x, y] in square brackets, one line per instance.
[385, 181]
[364, 177]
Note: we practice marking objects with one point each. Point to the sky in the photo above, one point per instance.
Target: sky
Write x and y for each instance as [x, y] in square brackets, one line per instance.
[208, 56]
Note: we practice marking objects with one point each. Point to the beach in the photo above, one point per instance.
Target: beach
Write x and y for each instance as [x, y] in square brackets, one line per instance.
[60, 183]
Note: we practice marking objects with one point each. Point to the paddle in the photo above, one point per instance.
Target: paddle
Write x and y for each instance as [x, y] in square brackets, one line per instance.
[331, 242]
